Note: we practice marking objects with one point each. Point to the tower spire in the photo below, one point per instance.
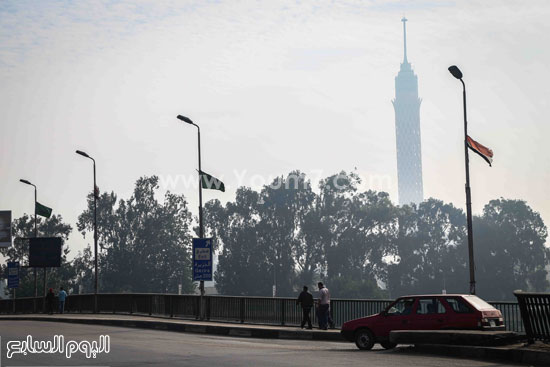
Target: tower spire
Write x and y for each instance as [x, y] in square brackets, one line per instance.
[405, 61]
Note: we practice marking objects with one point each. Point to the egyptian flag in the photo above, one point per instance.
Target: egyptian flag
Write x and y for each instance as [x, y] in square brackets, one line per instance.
[482, 150]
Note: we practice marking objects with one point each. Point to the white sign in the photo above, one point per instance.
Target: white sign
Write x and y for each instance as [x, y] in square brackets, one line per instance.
[202, 253]
[5, 228]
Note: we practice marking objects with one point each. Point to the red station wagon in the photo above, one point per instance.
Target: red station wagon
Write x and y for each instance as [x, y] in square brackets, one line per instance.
[426, 312]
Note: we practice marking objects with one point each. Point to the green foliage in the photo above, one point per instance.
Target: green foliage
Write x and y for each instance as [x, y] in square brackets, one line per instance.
[144, 244]
[358, 243]
[509, 247]
[23, 228]
[353, 241]
[431, 250]
[288, 235]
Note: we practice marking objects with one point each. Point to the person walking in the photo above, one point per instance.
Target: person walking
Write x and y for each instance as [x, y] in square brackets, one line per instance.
[324, 305]
[62, 295]
[49, 300]
[305, 299]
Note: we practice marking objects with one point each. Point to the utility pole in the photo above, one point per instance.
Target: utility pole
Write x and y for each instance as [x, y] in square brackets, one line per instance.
[455, 71]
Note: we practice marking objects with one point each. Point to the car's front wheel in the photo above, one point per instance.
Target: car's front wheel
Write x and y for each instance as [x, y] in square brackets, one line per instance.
[364, 339]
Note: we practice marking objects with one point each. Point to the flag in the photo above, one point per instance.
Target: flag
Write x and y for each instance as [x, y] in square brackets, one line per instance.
[483, 151]
[96, 191]
[210, 182]
[43, 210]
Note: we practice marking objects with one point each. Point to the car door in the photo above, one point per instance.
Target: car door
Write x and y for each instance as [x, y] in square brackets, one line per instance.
[430, 314]
[398, 316]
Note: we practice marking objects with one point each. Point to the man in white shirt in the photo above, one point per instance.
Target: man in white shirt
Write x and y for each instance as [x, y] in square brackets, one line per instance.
[324, 305]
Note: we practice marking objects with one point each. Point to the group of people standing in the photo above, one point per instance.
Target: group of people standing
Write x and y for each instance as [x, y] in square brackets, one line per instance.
[305, 299]
[61, 296]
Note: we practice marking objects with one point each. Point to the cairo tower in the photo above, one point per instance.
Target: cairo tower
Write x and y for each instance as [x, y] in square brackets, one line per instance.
[407, 131]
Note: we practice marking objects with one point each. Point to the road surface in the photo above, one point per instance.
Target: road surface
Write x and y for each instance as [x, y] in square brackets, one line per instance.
[139, 347]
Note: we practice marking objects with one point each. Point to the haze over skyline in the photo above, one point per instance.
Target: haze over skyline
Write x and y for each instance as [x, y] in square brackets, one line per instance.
[275, 86]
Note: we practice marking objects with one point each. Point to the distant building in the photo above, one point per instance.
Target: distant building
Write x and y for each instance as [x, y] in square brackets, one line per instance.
[407, 131]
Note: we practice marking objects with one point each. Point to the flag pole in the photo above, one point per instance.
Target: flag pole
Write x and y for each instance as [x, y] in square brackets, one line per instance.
[201, 219]
[468, 198]
[455, 71]
[201, 223]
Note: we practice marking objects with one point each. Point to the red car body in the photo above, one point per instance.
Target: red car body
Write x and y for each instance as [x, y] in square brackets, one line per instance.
[423, 312]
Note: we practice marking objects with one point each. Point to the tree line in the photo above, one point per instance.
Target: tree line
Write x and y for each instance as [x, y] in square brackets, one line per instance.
[290, 234]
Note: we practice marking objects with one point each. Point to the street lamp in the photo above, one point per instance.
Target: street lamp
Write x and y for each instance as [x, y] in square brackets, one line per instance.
[35, 233]
[95, 229]
[201, 225]
[455, 71]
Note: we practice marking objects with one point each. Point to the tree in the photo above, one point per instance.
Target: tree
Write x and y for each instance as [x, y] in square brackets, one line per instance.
[285, 203]
[23, 228]
[357, 236]
[145, 245]
[432, 252]
[289, 236]
[244, 264]
[509, 248]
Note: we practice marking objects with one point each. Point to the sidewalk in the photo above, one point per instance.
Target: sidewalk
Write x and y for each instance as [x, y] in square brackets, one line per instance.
[189, 326]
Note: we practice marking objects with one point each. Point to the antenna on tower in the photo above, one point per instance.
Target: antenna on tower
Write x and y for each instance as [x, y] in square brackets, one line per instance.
[404, 20]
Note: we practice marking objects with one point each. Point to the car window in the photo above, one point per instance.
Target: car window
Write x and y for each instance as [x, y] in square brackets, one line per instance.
[458, 305]
[427, 306]
[402, 307]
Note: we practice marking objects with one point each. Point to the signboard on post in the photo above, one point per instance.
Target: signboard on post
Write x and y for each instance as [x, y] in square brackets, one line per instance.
[202, 259]
[45, 252]
[5, 228]
[13, 274]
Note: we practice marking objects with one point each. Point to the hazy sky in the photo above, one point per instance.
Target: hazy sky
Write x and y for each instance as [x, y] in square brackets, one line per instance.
[275, 86]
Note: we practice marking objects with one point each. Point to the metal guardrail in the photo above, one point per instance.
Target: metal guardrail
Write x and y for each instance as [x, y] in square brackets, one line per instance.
[252, 310]
[535, 312]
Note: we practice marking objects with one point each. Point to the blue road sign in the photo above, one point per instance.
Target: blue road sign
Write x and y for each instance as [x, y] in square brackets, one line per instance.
[202, 259]
[13, 274]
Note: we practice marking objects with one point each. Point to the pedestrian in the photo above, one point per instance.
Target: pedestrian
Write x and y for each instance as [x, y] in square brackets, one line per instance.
[324, 305]
[305, 299]
[62, 295]
[49, 300]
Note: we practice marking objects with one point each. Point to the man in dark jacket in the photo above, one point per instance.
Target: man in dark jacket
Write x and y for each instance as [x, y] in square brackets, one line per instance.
[50, 297]
[306, 300]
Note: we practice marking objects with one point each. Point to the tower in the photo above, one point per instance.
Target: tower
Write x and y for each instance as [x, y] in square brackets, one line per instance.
[407, 131]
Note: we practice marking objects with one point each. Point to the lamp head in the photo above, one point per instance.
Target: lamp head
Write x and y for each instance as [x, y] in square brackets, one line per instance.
[25, 182]
[455, 71]
[82, 153]
[185, 119]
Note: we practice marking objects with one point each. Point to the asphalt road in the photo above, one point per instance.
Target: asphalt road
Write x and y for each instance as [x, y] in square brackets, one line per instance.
[139, 347]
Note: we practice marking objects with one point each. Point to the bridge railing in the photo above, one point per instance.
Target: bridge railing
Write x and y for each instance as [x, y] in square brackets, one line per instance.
[252, 310]
[535, 312]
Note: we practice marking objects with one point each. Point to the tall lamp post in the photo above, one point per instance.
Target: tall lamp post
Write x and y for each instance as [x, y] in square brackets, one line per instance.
[455, 71]
[35, 233]
[201, 224]
[95, 230]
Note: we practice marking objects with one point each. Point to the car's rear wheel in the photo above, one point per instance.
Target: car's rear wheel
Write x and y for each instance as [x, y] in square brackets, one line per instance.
[388, 345]
[364, 339]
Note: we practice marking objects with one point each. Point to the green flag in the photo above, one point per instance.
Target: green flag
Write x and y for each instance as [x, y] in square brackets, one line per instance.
[43, 210]
[210, 182]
